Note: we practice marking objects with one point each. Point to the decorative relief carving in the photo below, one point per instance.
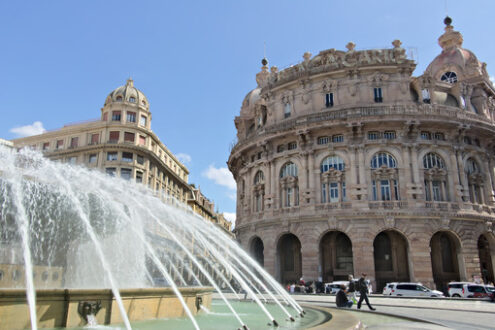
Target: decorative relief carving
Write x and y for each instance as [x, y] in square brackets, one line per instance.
[389, 221]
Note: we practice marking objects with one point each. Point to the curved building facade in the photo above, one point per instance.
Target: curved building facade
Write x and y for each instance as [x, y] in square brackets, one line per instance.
[346, 163]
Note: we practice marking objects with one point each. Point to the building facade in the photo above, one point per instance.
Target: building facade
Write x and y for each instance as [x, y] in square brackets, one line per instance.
[346, 163]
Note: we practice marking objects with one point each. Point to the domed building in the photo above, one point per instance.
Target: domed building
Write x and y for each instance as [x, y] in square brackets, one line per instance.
[121, 143]
[346, 163]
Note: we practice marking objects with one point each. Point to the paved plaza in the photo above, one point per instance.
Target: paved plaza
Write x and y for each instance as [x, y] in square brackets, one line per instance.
[438, 313]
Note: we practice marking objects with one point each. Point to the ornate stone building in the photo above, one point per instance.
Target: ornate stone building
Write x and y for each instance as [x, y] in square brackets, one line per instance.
[346, 163]
[122, 143]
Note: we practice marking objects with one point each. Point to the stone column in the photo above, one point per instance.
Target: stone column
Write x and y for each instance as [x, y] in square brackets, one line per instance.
[456, 195]
[311, 170]
[414, 160]
[353, 171]
[362, 254]
[362, 166]
[420, 259]
[469, 260]
[310, 254]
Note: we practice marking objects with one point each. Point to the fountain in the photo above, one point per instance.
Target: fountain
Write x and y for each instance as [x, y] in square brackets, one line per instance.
[79, 247]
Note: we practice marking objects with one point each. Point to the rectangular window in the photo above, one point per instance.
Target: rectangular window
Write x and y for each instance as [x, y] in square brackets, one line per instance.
[425, 136]
[129, 137]
[378, 94]
[389, 135]
[467, 140]
[329, 100]
[127, 157]
[111, 171]
[93, 158]
[289, 197]
[74, 142]
[281, 148]
[427, 190]
[287, 110]
[60, 144]
[139, 177]
[385, 190]
[373, 189]
[114, 137]
[344, 196]
[323, 192]
[46, 145]
[373, 135]
[337, 138]
[334, 192]
[425, 94]
[116, 115]
[95, 138]
[323, 140]
[439, 136]
[140, 159]
[142, 140]
[125, 173]
[396, 190]
[142, 121]
[111, 156]
[292, 145]
[72, 160]
[131, 117]
[437, 191]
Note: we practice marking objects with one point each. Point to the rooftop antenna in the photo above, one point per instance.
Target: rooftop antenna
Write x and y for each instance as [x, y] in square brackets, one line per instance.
[446, 8]
[264, 49]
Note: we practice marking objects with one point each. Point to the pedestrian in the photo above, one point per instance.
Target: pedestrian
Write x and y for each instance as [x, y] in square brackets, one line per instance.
[363, 291]
[352, 289]
[341, 298]
[292, 287]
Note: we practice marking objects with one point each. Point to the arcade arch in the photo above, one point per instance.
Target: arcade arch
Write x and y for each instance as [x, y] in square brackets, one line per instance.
[445, 250]
[289, 259]
[390, 253]
[336, 256]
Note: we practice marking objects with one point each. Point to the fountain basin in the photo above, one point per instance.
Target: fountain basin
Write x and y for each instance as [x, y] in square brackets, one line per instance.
[62, 308]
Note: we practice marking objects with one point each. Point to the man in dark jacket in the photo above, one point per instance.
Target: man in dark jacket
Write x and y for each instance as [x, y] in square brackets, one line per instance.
[363, 291]
[341, 298]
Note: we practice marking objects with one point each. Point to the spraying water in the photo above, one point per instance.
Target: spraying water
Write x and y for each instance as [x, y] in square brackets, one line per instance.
[71, 227]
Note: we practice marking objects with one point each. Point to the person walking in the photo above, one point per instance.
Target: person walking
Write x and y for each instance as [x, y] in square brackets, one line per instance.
[341, 298]
[363, 291]
[352, 289]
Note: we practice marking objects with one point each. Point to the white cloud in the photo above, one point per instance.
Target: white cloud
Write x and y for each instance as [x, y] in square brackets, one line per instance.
[28, 130]
[232, 196]
[230, 217]
[184, 158]
[221, 176]
[492, 79]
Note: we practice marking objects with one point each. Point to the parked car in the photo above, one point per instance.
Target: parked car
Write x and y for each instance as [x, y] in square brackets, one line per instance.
[473, 290]
[468, 290]
[455, 289]
[409, 290]
[334, 287]
[491, 292]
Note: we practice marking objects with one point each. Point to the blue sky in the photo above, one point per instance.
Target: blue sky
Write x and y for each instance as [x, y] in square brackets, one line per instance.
[196, 60]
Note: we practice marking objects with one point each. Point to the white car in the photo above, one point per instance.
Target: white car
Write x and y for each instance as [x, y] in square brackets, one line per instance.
[410, 290]
[334, 287]
[455, 289]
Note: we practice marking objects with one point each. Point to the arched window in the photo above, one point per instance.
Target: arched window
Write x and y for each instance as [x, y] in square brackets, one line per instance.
[383, 158]
[332, 180]
[289, 188]
[258, 191]
[119, 98]
[450, 77]
[289, 169]
[384, 177]
[132, 99]
[287, 110]
[475, 181]
[259, 177]
[435, 178]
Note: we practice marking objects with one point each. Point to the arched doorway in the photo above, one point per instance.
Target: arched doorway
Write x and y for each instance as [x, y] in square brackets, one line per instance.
[486, 262]
[390, 253]
[257, 249]
[289, 259]
[336, 256]
[445, 248]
